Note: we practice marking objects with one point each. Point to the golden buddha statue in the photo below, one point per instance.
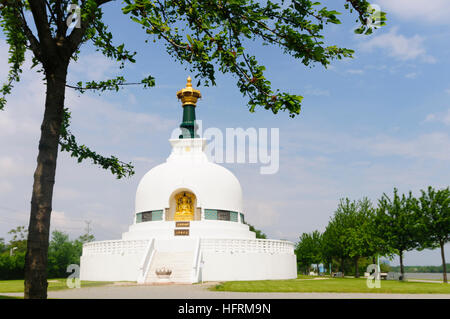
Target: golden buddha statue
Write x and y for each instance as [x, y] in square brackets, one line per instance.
[185, 206]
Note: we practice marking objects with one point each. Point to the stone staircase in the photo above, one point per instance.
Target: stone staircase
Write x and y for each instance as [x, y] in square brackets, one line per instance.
[179, 262]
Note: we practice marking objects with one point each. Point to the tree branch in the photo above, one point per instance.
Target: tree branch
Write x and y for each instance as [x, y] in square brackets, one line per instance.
[39, 12]
[75, 38]
[35, 46]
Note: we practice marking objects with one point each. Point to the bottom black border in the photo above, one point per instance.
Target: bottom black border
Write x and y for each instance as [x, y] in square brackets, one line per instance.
[222, 308]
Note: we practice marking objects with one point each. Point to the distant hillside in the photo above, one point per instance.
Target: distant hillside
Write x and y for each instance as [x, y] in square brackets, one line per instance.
[432, 269]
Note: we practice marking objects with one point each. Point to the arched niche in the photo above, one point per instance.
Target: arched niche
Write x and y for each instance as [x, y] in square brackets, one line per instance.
[183, 206]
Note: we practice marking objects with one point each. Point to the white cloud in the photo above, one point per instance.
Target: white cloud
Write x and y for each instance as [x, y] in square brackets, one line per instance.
[144, 159]
[82, 191]
[428, 11]
[262, 214]
[411, 75]
[309, 90]
[443, 117]
[399, 46]
[12, 166]
[430, 118]
[355, 71]
[61, 222]
[93, 67]
[426, 146]
[110, 115]
[67, 193]
[132, 99]
[5, 187]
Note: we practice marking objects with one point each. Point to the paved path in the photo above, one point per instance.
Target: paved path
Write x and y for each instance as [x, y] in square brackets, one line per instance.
[201, 292]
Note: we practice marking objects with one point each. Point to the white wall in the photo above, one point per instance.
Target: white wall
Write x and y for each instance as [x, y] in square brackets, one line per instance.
[218, 265]
[114, 267]
[203, 228]
[248, 266]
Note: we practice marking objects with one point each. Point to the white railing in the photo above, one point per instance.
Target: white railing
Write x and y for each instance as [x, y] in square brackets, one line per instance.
[247, 245]
[146, 261]
[113, 247]
[196, 263]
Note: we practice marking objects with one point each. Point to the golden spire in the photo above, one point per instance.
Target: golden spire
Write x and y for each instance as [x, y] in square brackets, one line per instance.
[188, 95]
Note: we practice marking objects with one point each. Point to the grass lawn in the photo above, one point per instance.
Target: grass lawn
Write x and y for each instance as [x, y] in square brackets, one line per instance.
[8, 297]
[7, 286]
[347, 285]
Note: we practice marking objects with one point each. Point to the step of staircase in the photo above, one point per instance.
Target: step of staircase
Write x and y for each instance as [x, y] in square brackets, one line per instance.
[179, 262]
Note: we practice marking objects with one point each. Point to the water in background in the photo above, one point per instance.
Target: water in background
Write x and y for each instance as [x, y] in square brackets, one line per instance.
[425, 275]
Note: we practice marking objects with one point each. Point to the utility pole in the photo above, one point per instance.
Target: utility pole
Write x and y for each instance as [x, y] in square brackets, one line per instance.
[88, 228]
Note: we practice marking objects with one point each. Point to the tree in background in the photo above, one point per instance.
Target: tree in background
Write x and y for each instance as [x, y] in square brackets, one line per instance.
[309, 251]
[335, 237]
[3, 247]
[351, 234]
[434, 216]
[362, 239]
[62, 252]
[259, 233]
[18, 241]
[358, 238]
[12, 255]
[80, 241]
[206, 35]
[397, 223]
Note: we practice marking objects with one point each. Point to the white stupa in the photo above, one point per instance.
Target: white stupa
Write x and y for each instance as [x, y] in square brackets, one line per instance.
[189, 224]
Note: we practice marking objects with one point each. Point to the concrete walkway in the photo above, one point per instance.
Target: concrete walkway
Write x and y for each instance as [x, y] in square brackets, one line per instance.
[200, 291]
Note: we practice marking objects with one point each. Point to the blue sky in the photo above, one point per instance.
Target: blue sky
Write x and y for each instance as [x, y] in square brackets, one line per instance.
[368, 124]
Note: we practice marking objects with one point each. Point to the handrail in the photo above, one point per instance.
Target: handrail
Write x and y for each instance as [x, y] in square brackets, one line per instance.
[146, 261]
[196, 261]
[247, 245]
[111, 247]
[199, 265]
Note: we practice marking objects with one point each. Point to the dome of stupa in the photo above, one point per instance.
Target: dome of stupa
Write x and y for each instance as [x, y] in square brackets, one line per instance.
[211, 186]
[188, 168]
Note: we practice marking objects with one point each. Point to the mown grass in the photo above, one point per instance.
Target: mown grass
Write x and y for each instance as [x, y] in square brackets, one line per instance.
[7, 286]
[305, 277]
[343, 285]
[9, 297]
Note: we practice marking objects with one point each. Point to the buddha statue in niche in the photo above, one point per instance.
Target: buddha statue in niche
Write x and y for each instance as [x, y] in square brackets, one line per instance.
[184, 206]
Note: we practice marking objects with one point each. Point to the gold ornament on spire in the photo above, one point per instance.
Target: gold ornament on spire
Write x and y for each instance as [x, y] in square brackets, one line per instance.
[188, 95]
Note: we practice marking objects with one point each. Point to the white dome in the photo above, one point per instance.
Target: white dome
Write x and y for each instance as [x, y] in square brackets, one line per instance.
[188, 168]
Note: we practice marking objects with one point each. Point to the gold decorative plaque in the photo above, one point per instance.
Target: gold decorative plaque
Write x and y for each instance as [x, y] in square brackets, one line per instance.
[182, 224]
[181, 232]
[185, 206]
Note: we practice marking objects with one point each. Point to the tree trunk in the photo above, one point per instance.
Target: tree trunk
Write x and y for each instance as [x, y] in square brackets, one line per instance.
[356, 267]
[342, 266]
[402, 270]
[318, 269]
[444, 266]
[44, 179]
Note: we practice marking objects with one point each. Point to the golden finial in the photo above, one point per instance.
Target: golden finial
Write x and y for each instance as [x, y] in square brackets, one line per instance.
[188, 95]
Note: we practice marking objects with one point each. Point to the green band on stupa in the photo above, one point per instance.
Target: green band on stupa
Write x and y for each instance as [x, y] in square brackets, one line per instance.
[188, 126]
[188, 97]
